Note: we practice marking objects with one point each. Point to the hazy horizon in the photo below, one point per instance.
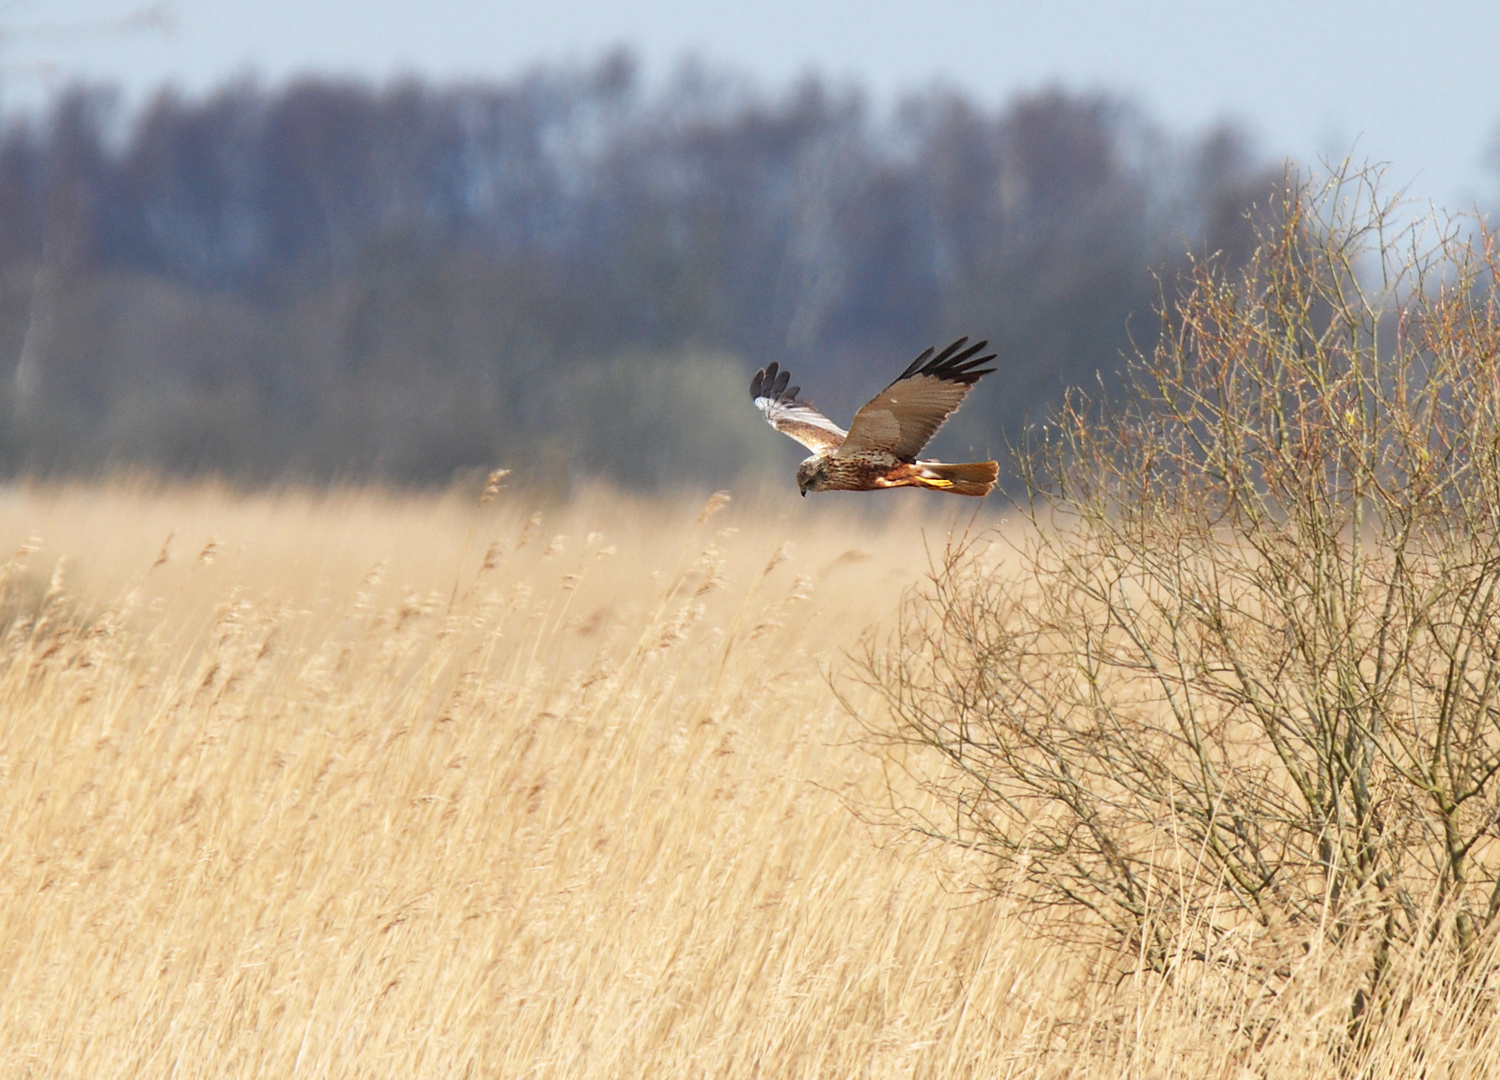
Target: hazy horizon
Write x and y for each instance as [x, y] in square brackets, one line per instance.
[1309, 82]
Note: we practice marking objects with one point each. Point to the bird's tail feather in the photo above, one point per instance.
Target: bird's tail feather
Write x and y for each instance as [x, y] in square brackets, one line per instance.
[975, 478]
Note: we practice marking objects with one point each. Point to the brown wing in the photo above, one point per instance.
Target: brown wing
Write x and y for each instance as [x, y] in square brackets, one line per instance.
[903, 417]
[792, 417]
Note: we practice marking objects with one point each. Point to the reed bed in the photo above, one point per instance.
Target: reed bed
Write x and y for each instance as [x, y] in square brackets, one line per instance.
[358, 784]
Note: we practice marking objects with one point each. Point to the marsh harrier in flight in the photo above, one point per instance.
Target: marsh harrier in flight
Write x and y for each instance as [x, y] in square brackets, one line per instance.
[880, 448]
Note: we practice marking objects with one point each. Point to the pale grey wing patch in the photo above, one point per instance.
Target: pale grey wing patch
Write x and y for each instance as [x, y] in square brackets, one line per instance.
[904, 416]
[779, 405]
[820, 435]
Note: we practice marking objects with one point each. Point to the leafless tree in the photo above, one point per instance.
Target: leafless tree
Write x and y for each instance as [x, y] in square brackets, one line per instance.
[1246, 694]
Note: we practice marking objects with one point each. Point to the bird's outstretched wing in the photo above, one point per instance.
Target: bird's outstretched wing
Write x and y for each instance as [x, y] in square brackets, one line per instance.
[792, 417]
[903, 417]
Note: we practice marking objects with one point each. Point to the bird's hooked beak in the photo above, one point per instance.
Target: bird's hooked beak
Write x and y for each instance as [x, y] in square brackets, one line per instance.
[803, 490]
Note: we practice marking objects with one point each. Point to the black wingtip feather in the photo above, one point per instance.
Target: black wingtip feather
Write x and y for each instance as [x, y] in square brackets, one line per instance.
[913, 367]
[954, 364]
[771, 382]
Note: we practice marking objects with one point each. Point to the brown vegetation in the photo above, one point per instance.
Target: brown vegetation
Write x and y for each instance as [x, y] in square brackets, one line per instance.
[347, 785]
[354, 785]
[1242, 712]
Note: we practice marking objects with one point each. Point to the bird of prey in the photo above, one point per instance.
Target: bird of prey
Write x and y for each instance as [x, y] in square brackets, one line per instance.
[880, 448]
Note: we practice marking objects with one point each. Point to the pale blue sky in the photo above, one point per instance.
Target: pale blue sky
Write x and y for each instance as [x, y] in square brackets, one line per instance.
[1415, 85]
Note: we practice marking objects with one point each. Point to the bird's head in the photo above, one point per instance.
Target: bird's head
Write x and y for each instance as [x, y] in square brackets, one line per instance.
[812, 474]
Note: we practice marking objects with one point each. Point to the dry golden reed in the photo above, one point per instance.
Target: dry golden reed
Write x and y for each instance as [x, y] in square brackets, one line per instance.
[356, 784]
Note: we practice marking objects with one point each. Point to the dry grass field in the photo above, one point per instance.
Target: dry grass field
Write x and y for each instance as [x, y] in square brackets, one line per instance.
[356, 784]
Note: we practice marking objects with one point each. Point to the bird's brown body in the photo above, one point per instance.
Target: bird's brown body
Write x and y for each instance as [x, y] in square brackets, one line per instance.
[879, 449]
[873, 470]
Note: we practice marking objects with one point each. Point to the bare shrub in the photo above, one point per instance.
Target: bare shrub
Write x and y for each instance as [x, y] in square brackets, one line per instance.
[1246, 701]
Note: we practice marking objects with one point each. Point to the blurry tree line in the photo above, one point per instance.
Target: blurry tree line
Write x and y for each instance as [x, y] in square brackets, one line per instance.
[572, 273]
